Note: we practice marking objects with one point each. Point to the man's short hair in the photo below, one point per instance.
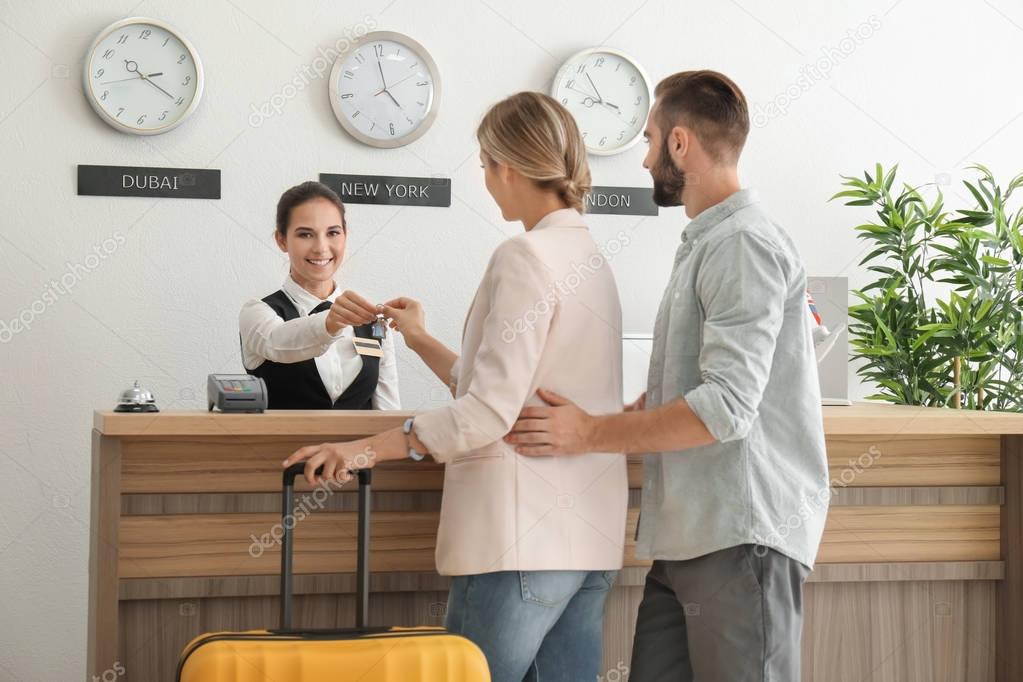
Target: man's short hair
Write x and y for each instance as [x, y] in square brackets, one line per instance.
[710, 104]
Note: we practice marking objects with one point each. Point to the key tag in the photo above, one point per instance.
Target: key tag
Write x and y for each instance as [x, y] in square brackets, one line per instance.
[379, 329]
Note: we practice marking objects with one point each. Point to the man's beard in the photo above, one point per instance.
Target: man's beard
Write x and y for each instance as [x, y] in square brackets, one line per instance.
[668, 180]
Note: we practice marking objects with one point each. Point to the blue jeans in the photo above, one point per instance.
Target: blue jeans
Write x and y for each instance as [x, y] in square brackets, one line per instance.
[538, 626]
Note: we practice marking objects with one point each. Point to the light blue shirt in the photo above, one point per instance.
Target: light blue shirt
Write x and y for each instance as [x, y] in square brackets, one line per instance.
[733, 338]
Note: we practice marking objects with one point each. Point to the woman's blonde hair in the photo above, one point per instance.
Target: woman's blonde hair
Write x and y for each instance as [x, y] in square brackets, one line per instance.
[536, 136]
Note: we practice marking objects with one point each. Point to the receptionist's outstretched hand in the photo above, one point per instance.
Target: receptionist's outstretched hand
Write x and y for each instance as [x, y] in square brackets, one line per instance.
[349, 310]
[339, 460]
[561, 429]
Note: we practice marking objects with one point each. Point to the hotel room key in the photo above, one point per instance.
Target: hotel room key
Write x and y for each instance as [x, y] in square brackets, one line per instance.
[379, 328]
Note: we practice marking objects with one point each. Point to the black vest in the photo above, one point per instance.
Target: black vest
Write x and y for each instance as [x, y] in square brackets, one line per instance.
[298, 386]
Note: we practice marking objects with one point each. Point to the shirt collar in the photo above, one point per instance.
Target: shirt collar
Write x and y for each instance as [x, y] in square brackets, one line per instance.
[303, 300]
[562, 217]
[717, 213]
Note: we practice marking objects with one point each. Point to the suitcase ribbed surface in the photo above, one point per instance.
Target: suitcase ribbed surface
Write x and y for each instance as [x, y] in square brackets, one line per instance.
[370, 655]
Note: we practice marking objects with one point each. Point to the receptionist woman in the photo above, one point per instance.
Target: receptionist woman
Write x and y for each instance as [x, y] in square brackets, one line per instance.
[312, 344]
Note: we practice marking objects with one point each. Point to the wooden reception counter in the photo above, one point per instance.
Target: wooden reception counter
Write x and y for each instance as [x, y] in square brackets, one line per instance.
[919, 575]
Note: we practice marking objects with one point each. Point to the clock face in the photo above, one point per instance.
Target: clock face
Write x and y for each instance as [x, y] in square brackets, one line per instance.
[609, 96]
[385, 91]
[142, 77]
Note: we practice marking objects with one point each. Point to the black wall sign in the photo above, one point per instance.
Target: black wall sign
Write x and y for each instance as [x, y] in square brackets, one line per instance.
[389, 189]
[621, 200]
[136, 181]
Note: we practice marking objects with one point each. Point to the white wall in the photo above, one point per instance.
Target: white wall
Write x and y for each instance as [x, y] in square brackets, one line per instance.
[930, 85]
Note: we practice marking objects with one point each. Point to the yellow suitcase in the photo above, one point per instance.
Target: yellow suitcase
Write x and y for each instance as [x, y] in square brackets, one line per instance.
[426, 654]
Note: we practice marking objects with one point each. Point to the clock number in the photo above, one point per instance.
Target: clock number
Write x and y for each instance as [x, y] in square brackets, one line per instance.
[618, 67]
[414, 66]
[600, 62]
[123, 39]
[621, 135]
[163, 115]
[104, 95]
[378, 50]
[165, 41]
[582, 67]
[356, 114]
[633, 121]
[141, 119]
[119, 112]
[188, 79]
[603, 140]
[100, 72]
[564, 101]
[180, 101]
[347, 95]
[632, 81]
[391, 127]
[410, 121]
[584, 135]
[359, 58]
[349, 74]
[570, 83]
[638, 100]
[108, 54]
[181, 59]
[422, 83]
[144, 34]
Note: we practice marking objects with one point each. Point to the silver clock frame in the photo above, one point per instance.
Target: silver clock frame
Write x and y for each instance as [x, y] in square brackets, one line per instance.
[335, 94]
[90, 93]
[574, 59]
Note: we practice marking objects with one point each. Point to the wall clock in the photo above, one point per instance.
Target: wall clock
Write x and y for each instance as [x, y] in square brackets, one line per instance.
[609, 95]
[142, 76]
[385, 90]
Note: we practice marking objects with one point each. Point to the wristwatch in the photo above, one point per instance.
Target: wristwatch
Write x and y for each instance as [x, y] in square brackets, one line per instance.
[406, 428]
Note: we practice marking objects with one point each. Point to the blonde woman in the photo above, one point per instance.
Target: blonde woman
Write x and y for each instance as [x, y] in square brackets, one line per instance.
[533, 545]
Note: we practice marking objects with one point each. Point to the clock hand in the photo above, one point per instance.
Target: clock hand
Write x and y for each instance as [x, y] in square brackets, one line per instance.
[133, 78]
[599, 98]
[394, 100]
[393, 85]
[381, 69]
[135, 70]
[159, 88]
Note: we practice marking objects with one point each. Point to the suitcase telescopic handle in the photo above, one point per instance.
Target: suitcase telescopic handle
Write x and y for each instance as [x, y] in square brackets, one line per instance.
[365, 477]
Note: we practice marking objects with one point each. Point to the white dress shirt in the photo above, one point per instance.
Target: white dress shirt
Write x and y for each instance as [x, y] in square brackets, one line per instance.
[265, 336]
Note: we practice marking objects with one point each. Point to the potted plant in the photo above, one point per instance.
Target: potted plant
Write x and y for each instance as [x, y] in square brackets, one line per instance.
[941, 324]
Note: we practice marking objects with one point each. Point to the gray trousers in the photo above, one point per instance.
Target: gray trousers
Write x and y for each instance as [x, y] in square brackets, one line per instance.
[733, 615]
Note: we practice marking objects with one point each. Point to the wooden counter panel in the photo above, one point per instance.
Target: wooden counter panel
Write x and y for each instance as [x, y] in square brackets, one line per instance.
[897, 460]
[252, 464]
[219, 544]
[916, 533]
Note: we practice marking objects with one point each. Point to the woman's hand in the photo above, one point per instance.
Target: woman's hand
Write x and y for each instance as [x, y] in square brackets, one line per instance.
[349, 310]
[407, 317]
[339, 460]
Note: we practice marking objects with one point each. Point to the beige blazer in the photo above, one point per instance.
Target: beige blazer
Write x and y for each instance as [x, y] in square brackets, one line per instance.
[546, 315]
